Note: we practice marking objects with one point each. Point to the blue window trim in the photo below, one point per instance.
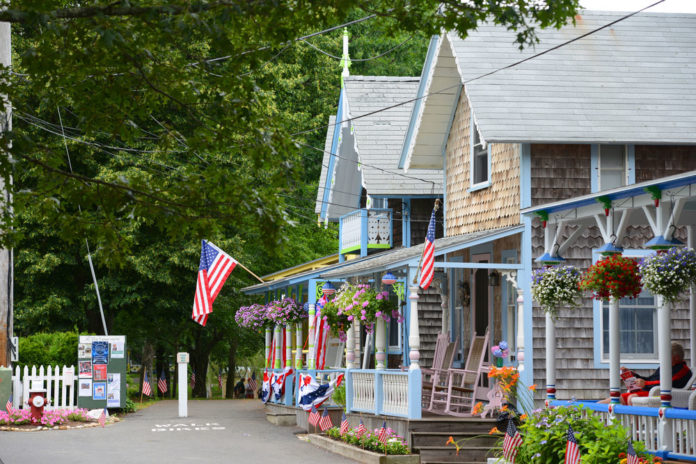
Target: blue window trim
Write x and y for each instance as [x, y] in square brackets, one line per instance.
[487, 183]
[594, 166]
[597, 322]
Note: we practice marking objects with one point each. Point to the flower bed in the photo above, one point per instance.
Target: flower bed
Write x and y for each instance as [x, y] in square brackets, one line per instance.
[20, 419]
[369, 440]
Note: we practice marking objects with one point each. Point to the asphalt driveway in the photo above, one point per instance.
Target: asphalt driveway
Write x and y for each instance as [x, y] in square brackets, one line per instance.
[232, 431]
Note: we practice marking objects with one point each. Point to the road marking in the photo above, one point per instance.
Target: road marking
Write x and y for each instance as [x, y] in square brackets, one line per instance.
[187, 427]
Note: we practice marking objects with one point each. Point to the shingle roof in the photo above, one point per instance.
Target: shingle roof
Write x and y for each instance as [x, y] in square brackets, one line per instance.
[325, 163]
[380, 136]
[632, 82]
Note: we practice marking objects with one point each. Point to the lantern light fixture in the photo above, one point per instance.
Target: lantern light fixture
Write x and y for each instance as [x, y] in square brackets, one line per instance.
[388, 278]
[328, 289]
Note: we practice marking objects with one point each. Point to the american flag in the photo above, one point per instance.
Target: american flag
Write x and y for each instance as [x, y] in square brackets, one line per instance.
[147, 390]
[215, 266]
[102, 417]
[361, 429]
[8, 405]
[314, 416]
[428, 266]
[220, 380]
[325, 422]
[345, 426]
[572, 450]
[511, 443]
[162, 383]
[383, 433]
[252, 382]
[632, 456]
[193, 379]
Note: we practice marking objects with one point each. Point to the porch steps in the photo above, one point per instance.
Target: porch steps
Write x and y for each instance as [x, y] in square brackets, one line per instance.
[428, 438]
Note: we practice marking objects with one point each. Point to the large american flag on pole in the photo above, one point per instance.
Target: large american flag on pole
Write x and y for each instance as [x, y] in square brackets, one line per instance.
[215, 266]
[572, 450]
[511, 443]
[428, 261]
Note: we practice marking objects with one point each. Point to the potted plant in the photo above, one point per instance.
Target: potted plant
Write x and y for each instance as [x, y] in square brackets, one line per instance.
[556, 286]
[669, 273]
[612, 276]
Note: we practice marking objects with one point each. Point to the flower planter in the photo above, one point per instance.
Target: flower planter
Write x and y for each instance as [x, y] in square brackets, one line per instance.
[496, 461]
[359, 454]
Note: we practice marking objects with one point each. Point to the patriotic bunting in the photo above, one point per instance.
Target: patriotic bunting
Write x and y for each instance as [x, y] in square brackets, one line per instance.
[312, 394]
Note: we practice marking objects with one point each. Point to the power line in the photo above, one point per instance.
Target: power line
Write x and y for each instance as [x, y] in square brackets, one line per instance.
[359, 60]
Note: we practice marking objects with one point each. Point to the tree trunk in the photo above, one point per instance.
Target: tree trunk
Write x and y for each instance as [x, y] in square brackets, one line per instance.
[199, 363]
[231, 368]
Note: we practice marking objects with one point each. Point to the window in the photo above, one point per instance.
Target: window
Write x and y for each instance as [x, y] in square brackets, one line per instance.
[612, 166]
[480, 160]
[637, 323]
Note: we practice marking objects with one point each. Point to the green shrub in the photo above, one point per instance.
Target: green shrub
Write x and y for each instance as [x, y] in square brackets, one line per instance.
[129, 407]
[545, 437]
[339, 395]
[48, 349]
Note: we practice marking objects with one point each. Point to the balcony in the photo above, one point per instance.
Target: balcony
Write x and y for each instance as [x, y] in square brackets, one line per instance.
[365, 229]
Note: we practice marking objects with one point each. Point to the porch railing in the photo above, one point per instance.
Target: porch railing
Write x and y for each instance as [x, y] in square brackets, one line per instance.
[365, 229]
[667, 432]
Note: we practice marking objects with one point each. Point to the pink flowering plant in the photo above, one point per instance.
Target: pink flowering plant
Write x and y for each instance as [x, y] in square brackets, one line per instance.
[254, 317]
[365, 305]
[370, 440]
[285, 311]
[49, 418]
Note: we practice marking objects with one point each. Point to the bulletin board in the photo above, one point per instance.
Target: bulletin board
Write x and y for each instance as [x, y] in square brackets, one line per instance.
[101, 371]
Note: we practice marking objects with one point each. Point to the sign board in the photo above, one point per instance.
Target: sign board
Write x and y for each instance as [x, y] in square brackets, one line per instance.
[14, 350]
[182, 357]
[101, 372]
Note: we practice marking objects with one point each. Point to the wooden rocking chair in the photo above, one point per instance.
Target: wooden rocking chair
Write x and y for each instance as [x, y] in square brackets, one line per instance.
[457, 393]
[442, 361]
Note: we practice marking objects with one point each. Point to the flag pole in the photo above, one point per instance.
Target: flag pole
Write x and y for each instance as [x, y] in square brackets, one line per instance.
[247, 269]
[415, 277]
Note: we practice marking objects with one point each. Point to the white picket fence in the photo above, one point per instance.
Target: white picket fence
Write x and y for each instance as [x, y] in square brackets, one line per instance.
[59, 385]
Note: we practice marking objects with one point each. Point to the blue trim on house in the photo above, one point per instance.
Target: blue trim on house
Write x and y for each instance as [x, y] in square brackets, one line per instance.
[594, 168]
[504, 255]
[363, 233]
[406, 223]
[524, 277]
[631, 160]
[332, 159]
[427, 66]
[525, 175]
[597, 321]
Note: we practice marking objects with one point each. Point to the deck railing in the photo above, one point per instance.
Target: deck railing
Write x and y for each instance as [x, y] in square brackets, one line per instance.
[667, 432]
[365, 229]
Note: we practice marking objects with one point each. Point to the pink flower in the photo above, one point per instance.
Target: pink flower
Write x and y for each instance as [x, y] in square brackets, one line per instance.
[378, 314]
[365, 303]
[350, 318]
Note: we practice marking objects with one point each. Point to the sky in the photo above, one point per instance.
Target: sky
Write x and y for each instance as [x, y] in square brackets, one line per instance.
[668, 6]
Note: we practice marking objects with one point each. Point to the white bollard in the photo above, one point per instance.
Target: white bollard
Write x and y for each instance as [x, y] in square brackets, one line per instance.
[182, 360]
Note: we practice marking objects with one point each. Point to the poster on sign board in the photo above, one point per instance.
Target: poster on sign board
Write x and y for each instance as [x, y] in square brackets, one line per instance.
[85, 387]
[117, 346]
[99, 391]
[85, 369]
[100, 352]
[99, 371]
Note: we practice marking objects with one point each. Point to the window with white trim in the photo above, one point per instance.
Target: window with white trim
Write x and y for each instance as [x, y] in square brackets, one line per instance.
[637, 326]
[612, 165]
[479, 157]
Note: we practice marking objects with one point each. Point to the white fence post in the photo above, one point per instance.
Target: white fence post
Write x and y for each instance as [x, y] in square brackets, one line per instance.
[59, 385]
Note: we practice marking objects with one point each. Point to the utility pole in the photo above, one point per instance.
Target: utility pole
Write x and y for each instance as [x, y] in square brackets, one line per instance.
[6, 256]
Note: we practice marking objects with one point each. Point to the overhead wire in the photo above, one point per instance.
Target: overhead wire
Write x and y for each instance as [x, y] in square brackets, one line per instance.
[359, 60]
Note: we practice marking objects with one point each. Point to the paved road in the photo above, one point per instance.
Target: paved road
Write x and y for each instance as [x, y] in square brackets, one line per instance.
[234, 431]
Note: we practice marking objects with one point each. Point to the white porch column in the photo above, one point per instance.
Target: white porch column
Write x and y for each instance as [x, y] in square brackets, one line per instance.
[520, 330]
[381, 344]
[550, 358]
[298, 345]
[267, 350]
[414, 334]
[288, 346]
[665, 349]
[350, 346]
[691, 242]
[356, 342]
[614, 351]
[278, 347]
[310, 343]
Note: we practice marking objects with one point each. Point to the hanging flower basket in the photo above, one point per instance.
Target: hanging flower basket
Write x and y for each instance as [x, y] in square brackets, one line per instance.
[359, 303]
[612, 276]
[555, 287]
[337, 321]
[284, 312]
[254, 317]
[669, 273]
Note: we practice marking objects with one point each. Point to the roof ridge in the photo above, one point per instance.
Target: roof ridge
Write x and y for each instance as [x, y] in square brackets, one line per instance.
[382, 78]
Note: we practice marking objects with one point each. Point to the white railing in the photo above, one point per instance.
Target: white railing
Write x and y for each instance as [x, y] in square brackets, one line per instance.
[59, 385]
[350, 230]
[395, 391]
[363, 391]
[375, 223]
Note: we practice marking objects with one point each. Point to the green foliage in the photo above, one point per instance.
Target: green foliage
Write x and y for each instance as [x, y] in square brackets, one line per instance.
[339, 395]
[545, 437]
[369, 441]
[48, 349]
[129, 407]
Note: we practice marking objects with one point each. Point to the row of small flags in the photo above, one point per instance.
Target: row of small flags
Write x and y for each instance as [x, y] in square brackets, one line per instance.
[324, 423]
[513, 440]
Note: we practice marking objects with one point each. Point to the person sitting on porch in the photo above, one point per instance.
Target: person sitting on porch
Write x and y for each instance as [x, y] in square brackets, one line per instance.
[680, 376]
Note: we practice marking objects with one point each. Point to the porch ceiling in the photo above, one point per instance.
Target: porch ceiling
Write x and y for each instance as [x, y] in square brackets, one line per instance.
[402, 257]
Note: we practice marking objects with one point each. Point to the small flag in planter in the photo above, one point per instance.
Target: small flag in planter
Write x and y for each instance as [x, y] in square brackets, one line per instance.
[325, 422]
[382, 437]
[572, 450]
[511, 443]
[8, 406]
[162, 383]
[344, 424]
[314, 416]
[102, 418]
[147, 390]
[632, 455]
[361, 429]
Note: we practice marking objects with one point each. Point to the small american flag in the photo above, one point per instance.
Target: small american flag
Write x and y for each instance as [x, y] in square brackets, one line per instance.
[428, 266]
[383, 435]
[102, 418]
[632, 455]
[8, 405]
[361, 429]
[252, 382]
[193, 379]
[215, 266]
[325, 422]
[572, 450]
[345, 426]
[162, 383]
[314, 416]
[511, 443]
[147, 390]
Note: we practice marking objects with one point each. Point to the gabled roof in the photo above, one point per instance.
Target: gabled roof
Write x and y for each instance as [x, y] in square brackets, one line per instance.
[632, 82]
[379, 137]
[325, 164]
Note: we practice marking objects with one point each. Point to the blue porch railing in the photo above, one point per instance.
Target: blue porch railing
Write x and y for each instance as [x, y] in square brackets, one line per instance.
[365, 229]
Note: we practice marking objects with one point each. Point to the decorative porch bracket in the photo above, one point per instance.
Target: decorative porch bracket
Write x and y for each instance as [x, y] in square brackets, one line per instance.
[661, 220]
[553, 247]
[612, 237]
